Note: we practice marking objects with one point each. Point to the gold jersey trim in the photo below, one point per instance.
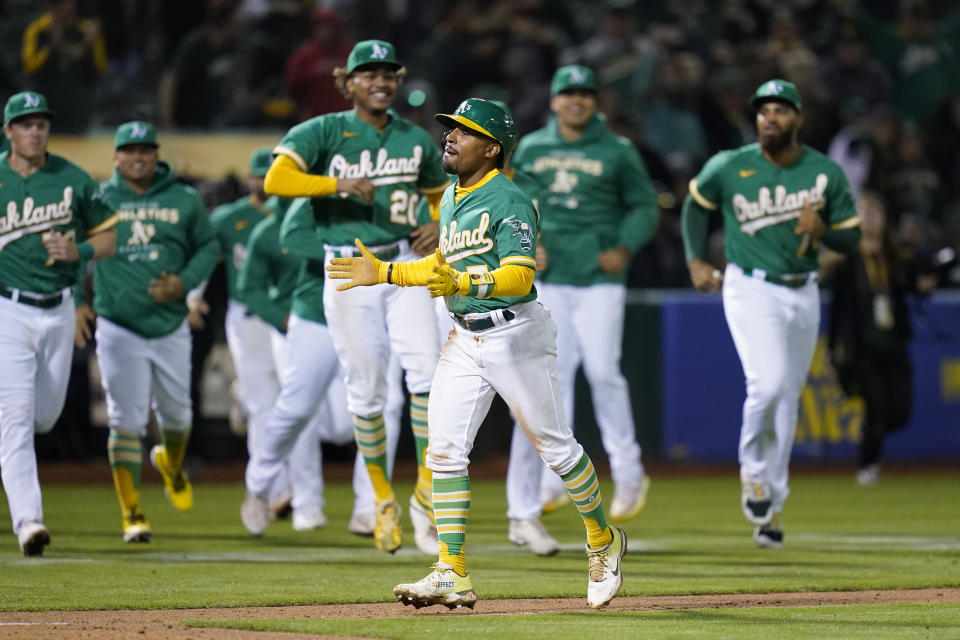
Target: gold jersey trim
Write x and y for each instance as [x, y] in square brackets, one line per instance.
[695, 193]
[849, 223]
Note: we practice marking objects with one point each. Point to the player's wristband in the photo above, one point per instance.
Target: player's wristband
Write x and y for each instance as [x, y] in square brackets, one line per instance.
[85, 249]
[481, 284]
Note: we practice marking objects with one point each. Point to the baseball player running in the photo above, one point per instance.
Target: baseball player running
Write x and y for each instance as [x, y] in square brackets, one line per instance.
[597, 207]
[779, 200]
[52, 215]
[503, 342]
[277, 284]
[250, 343]
[165, 247]
[365, 170]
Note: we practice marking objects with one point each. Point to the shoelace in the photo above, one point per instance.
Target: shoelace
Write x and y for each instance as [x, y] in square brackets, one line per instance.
[597, 563]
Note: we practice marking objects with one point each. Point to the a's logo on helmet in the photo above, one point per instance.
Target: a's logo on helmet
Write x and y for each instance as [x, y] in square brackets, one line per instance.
[379, 52]
[577, 76]
[31, 100]
[138, 130]
[772, 88]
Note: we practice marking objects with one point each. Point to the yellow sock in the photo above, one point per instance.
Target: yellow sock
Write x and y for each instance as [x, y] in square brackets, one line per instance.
[126, 459]
[457, 561]
[175, 442]
[126, 492]
[424, 488]
[381, 486]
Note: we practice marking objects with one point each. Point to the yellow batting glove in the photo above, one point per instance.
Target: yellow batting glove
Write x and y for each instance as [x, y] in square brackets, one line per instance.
[361, 272]
[447, 281]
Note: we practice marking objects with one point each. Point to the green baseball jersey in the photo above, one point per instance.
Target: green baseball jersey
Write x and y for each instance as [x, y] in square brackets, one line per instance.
[166, 228]
[593, 195]
[402, 161]
[270, 272]
[300, 234]
[494, 224]
[761, 202]
[232, 223]
[59, 197]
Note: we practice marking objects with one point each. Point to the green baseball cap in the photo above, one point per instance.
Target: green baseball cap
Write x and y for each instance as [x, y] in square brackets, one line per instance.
[260, 161]
[573, 76]
[25, 103]
[135, 132]
[372, 52]
[779, 90]
[487, 118]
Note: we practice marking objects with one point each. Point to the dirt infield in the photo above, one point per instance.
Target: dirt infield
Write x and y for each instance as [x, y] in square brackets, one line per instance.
[118, 625]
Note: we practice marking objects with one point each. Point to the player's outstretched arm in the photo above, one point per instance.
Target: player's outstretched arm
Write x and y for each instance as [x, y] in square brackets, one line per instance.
[368, 270]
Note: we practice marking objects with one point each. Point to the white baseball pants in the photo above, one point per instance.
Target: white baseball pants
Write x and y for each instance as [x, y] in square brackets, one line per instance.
[589, 332]
[774, 329]
[36, 347]
[516, 360]
[140, 374]
[368, 324]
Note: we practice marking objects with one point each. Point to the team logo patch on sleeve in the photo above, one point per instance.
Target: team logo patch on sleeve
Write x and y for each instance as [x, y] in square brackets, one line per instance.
[522, 229]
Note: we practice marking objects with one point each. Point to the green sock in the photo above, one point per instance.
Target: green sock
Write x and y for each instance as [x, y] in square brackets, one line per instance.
[584, 488]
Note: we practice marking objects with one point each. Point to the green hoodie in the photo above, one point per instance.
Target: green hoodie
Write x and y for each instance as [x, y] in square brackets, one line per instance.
[592, 194]
[165, 229]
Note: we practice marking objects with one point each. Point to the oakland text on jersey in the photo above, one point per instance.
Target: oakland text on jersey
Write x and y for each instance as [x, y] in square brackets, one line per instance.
[452, 240]
[14, 225]
[568, 163]
[386, 171]
[159, 214]
[782, 206]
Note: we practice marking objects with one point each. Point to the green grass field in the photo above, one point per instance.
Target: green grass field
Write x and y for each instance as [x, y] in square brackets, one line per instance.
[691, 539]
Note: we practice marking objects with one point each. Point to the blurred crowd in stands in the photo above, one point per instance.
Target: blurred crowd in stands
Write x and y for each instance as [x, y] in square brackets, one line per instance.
[880, 79]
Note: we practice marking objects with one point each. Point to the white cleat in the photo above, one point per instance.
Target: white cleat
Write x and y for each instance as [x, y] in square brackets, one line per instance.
[33, 537]
[605, 576]
[308, 519]
[424, 531]
[362, 524]
[629, 500]
[255, 514]
[443, 586]
[532, 534]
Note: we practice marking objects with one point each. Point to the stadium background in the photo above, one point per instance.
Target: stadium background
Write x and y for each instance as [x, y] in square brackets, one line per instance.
[880, 83]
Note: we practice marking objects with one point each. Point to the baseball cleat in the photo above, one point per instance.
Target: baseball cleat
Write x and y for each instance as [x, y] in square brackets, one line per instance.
[362, 524]
[756, 502]
[628, 501]
[553, 501]
[255, 514]
[33, 537]
[769, 536]
[443, 586]
[869, 475]
[424, 531]
[135, 527]
[604, 570]
[532, 534]
[308, 519]
[175, 482]
[387, 535]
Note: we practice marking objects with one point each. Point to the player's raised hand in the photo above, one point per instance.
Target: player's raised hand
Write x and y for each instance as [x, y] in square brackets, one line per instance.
[360, 187]
[447, 281]
[705, 277]
[361, 272]
[167, 288]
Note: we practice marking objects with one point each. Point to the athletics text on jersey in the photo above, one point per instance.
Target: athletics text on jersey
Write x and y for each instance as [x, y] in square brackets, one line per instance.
[59, 197]
[166, 228]
[492, 225]
[593, 194]
[402, 161]
[760, 204]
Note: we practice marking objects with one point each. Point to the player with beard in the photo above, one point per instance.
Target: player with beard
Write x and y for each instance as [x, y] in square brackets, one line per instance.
[779, 200]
